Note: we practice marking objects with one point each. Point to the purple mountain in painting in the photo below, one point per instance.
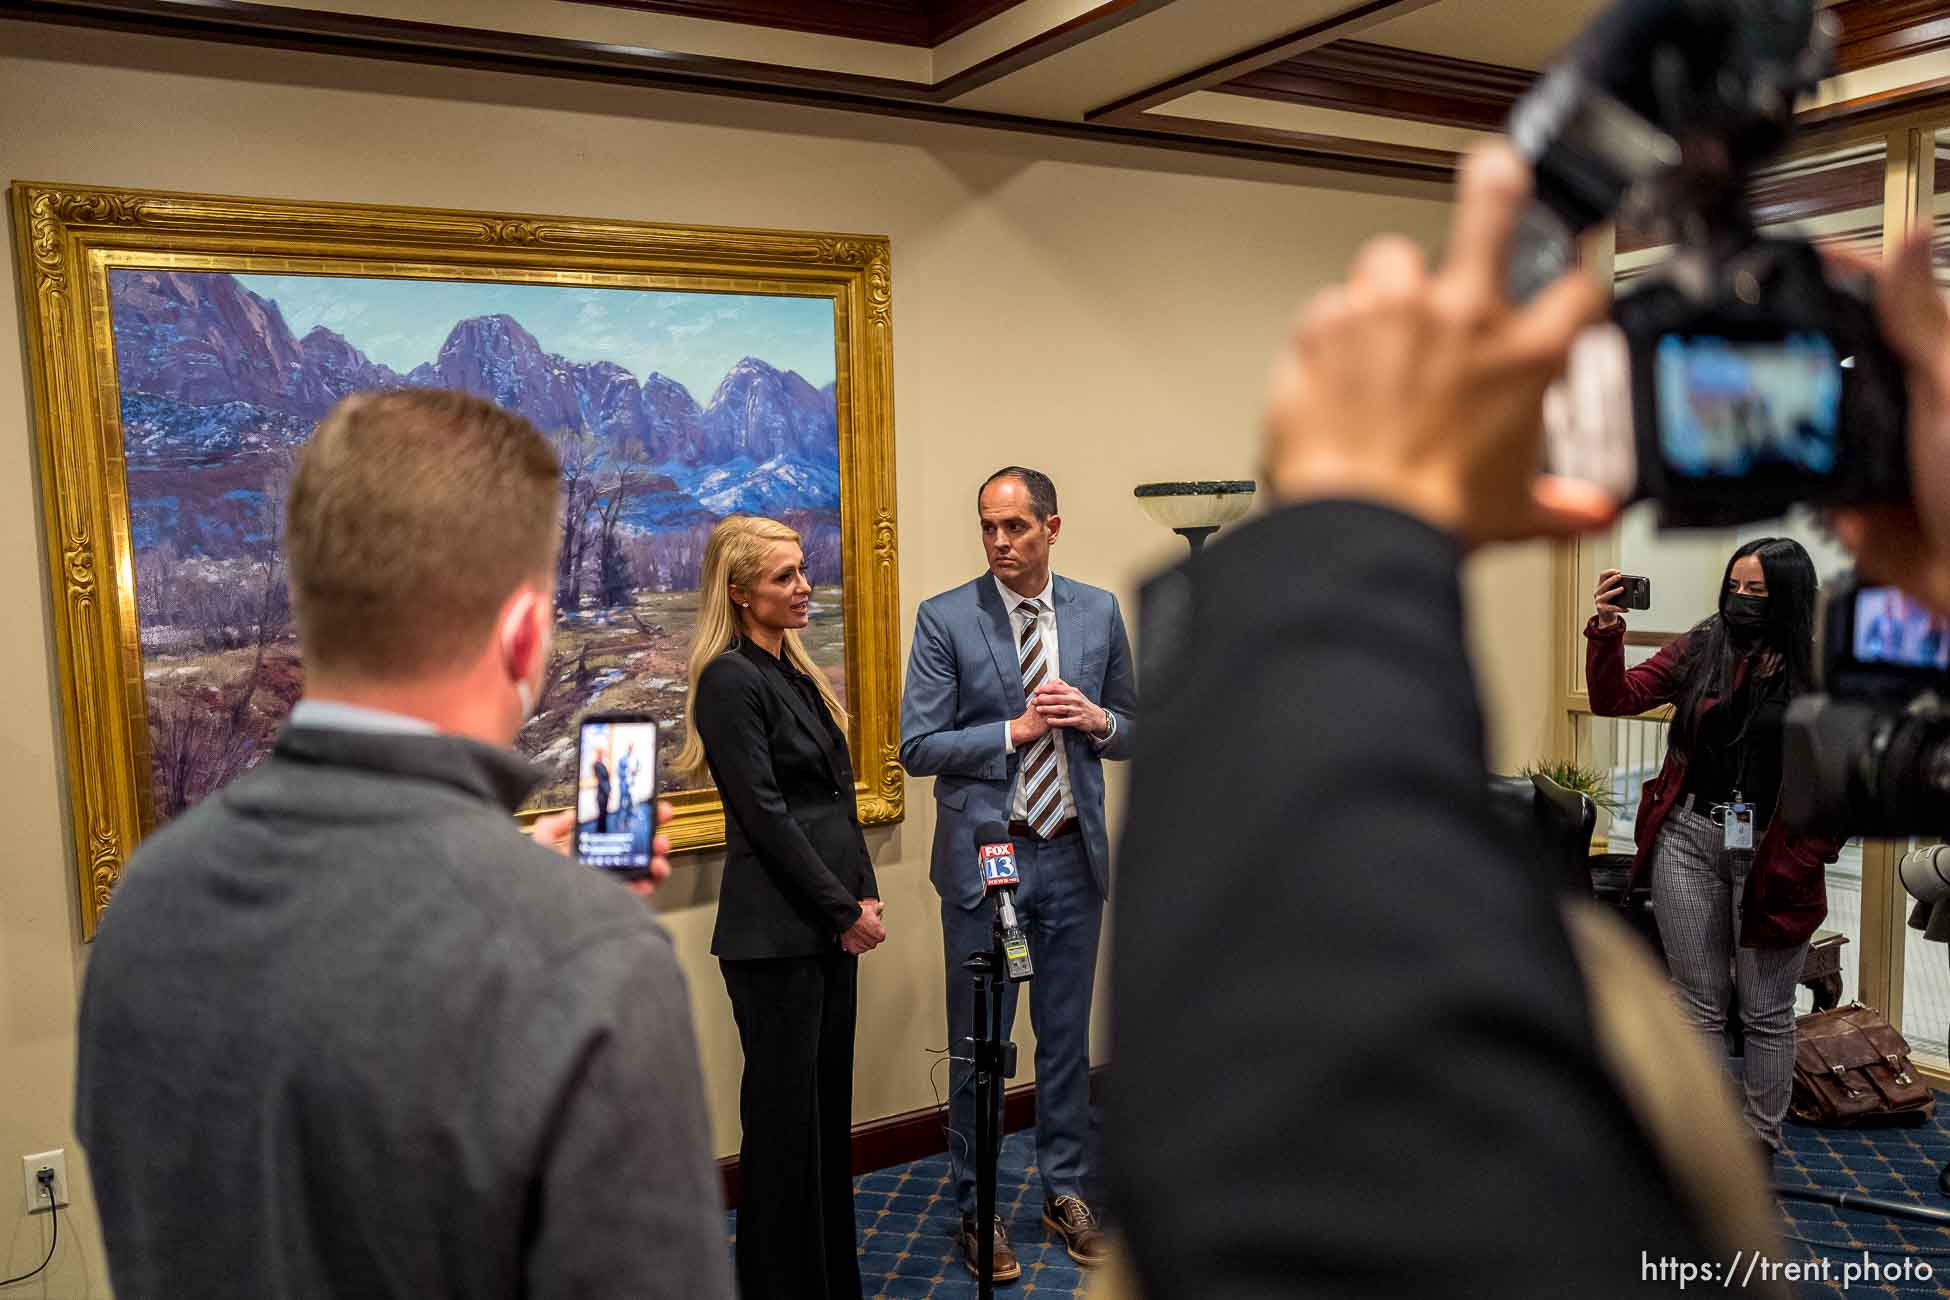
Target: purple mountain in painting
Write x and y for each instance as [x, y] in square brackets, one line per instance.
[759, 412]
[211, 373]
[674, 424]
[611, 404]
[202, 339]
[205, 340]
[337, 368]
[498, 359]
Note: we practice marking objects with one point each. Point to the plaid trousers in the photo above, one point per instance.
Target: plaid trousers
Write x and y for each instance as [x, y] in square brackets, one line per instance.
[1697, 884]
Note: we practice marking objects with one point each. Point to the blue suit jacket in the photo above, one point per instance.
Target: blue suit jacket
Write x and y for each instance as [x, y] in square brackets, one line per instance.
[964, 685]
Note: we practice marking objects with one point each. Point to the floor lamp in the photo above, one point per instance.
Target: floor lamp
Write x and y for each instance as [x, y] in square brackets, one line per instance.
[1196, 510]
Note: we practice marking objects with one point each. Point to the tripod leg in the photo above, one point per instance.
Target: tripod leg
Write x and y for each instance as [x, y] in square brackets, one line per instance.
[1001, 1084]
[986, 1086]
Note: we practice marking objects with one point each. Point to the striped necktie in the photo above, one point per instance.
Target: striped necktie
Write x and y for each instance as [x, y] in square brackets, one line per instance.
[1042, 795]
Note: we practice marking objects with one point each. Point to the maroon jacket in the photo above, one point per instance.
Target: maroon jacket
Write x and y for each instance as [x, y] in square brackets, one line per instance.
[1787, 894]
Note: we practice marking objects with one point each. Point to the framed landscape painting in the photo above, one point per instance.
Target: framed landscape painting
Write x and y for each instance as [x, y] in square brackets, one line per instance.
[183, 347]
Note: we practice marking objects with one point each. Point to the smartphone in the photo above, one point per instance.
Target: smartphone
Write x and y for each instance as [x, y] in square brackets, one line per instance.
[616, 792]
[1637, 593]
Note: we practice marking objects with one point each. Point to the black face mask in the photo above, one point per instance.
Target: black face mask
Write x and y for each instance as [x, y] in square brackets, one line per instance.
[1745, 617]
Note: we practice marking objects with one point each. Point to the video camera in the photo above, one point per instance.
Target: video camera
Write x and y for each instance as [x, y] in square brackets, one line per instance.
[1744, 374]
[1871, 755]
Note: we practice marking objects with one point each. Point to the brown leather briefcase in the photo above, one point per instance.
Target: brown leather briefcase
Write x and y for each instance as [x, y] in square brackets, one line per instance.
[1851, 1067]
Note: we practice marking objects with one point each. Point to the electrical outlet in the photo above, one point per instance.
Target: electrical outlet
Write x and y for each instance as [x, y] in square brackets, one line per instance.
[31, 1166]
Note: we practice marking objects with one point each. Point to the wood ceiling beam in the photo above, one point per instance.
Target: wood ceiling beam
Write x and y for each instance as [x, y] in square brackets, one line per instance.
[921, 23]
[1882, 31]
[1212, 75]
[1385, 81]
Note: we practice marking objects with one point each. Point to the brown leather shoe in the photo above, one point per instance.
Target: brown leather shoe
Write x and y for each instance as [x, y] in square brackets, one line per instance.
[1006, 1269]
[1077, 1226]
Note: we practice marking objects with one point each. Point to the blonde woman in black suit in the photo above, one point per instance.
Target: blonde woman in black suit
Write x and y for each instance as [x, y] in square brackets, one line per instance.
[798, 906]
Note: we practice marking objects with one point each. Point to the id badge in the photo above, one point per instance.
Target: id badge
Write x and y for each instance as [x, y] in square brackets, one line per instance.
[1739, 825]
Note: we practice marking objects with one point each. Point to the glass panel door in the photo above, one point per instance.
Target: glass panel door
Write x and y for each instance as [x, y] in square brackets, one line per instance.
[1925, 1017]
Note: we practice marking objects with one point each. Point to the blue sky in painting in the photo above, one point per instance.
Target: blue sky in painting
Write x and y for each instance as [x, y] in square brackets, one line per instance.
[692, 337]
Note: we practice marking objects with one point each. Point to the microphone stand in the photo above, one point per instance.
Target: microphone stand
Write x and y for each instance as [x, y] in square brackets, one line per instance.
[1849, 1200]
[995, 1060]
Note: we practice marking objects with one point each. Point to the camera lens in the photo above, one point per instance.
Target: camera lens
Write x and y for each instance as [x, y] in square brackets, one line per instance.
[1905, 773]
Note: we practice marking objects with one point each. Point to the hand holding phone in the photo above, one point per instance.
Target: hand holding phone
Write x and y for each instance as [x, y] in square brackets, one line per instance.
[1618, 592]
[557, 830]
[1606, 597]
[616, 788]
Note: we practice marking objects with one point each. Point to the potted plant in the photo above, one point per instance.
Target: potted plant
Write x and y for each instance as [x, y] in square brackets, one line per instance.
[1590, 782]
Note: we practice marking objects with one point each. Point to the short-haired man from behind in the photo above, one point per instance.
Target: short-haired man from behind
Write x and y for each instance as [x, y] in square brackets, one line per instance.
[348, 1032]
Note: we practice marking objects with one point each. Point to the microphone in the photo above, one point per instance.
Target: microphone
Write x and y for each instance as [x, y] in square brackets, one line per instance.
[1000, 877]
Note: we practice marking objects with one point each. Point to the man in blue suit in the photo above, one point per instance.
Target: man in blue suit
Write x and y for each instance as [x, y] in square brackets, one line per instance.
[626, 786]
[1019, 686]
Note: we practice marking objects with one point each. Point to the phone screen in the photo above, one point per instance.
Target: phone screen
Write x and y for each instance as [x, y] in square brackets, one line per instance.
[1891, 628]
[616, 792]
[1728, 407]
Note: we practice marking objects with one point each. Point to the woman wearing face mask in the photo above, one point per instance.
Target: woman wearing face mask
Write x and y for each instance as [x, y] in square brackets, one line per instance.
[797, 908]
[1735, 907]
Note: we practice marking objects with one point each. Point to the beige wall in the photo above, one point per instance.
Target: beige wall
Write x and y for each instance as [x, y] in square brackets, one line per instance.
[1102, 313]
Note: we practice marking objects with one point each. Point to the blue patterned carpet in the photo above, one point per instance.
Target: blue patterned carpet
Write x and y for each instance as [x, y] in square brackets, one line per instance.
[1899, 1164]
[907, 1220]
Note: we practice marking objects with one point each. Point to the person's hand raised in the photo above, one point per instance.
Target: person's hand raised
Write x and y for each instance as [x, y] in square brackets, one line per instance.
[1424, 390]
[1610, 588]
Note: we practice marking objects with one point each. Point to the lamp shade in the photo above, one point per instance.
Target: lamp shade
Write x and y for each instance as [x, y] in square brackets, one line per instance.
[1208, 503]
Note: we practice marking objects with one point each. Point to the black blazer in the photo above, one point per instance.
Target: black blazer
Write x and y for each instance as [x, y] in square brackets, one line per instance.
[796, 864]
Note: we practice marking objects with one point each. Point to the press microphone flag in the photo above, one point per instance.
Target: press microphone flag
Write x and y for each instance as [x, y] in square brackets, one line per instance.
[996, 854]
[998, 857]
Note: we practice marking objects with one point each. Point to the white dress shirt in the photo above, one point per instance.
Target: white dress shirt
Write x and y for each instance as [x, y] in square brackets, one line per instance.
[1046, 622]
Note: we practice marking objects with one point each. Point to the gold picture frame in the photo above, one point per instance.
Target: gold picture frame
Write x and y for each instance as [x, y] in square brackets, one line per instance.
[70, 238]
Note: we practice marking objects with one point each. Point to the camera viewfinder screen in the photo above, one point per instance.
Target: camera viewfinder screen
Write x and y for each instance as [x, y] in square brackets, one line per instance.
[616, 789]
[1730, 407]
[1890, 628]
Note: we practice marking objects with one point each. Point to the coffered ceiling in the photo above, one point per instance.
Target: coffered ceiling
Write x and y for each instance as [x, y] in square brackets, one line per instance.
[1384, 87]
[901, 22]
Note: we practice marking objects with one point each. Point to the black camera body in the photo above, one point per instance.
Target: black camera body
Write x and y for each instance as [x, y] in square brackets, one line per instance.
[1762, 384]
[1745, 374]
[1870, 753]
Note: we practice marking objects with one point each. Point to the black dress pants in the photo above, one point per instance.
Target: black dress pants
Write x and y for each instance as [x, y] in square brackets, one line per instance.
[796, 1235]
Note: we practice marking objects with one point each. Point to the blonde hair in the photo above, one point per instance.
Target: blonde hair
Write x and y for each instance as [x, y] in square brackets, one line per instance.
[735, 557]
[412, 517]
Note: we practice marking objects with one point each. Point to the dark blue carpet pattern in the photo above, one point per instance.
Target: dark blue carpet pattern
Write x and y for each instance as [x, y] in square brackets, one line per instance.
[1905, 1258]
[907, 1219]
